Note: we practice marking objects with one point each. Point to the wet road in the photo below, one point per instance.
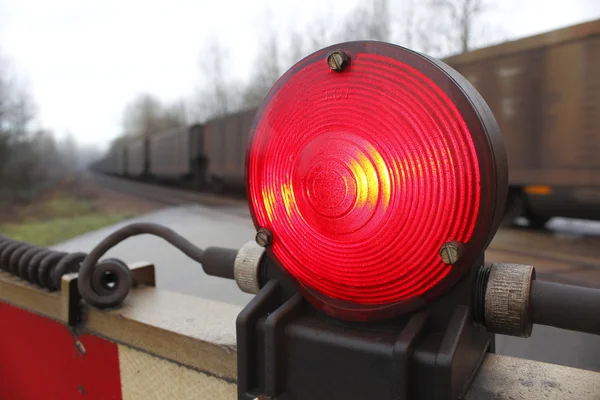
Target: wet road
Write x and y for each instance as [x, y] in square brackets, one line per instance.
[174, 271]
[569, 252]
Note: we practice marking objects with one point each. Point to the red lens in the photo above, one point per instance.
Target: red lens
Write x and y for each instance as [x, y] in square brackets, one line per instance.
[362, 176]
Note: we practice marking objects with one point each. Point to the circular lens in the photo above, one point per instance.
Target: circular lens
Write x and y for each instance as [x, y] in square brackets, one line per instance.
[363, 175]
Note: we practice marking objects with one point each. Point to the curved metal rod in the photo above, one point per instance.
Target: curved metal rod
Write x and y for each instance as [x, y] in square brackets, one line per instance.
[121, 278]
[564, 306]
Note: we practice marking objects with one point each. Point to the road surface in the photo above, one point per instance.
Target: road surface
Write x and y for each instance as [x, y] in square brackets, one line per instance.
[569, 252]
[174, 271]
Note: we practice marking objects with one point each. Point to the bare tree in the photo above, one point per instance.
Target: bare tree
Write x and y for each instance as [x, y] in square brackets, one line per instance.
[5, 94]
[370, 20]
[49, 164]
[175, 115]
[4, 112]
[22, 112]
[267, 70]
[408, 22]
[69, 152]
[462, 18]
[142, 117]
[431, 37]
[33, 165]
[18, 158]
[296, 49]
[319, 34]
[214, 68]
[380, 21]
[217, 96]
[147, 116]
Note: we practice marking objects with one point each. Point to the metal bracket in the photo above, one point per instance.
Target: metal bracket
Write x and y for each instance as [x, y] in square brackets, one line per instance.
[288, 349]
[71, 307]
[64, 305]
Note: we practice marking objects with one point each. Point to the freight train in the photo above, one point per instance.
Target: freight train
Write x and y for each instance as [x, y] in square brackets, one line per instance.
[207, 156]
[544, 91]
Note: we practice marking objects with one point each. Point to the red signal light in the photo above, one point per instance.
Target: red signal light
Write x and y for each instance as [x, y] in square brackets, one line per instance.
[363, 175]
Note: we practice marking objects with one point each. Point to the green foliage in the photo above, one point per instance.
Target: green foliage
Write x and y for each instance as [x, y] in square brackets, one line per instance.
[58, 219]
[58, 207]
[30, 160]
[146, 115]
[53, 231]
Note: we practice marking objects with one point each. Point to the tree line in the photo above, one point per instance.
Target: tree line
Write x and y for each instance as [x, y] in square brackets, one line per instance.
[31, 159]
[434, 27]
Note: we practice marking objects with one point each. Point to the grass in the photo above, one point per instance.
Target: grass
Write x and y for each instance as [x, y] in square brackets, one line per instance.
[57, 206]
[53, 231]
[56, 219]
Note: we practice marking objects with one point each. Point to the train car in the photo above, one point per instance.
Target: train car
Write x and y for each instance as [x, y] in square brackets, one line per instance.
[545, 94]
[104, 166]
[225, 140]
[179, 156]
[115, 161]
[120, 159]
[137, 157]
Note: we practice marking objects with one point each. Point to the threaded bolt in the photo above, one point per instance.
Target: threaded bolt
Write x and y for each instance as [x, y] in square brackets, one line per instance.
[264, 237]
[479, 290]
[338, 60]
[451, 252]
[507, 300]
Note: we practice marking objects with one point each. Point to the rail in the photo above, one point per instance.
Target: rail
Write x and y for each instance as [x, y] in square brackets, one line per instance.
[192, 340]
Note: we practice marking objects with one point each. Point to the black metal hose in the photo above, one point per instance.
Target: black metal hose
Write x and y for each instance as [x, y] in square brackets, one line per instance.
[103, 284]
[107, 284]
[565, 306]
[37, 265]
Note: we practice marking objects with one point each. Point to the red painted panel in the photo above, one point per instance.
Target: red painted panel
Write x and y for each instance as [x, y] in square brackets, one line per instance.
[39, 359]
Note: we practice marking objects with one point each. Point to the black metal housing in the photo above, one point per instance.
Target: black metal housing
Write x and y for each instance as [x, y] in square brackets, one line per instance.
[289, 350]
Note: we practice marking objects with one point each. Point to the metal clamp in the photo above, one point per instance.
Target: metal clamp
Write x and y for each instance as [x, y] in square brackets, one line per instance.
[246, 267]
[507, 299]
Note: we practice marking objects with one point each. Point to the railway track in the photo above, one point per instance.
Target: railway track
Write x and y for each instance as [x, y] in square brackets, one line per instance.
[172, 196]
[563, 256]
[567, 257]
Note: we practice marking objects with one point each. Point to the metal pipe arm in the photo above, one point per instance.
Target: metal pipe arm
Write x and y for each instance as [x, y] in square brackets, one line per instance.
[508, 300]
[565, 306]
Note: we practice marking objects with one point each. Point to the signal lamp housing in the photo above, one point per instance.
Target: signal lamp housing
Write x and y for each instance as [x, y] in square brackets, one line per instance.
[381, 178]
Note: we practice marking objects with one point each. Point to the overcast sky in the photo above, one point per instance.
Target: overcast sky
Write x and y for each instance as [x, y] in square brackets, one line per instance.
[85, 59]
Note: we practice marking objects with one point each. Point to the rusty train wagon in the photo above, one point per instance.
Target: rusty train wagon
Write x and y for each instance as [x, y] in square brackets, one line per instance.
[544, 91]
[118, 155]
[107, 165]
[179, 156]
[137, 157]
[114, 162]
[225, 140]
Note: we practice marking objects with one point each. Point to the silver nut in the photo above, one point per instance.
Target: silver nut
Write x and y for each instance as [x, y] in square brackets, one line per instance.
[451, 252]
[246, 267]
[507, 300]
